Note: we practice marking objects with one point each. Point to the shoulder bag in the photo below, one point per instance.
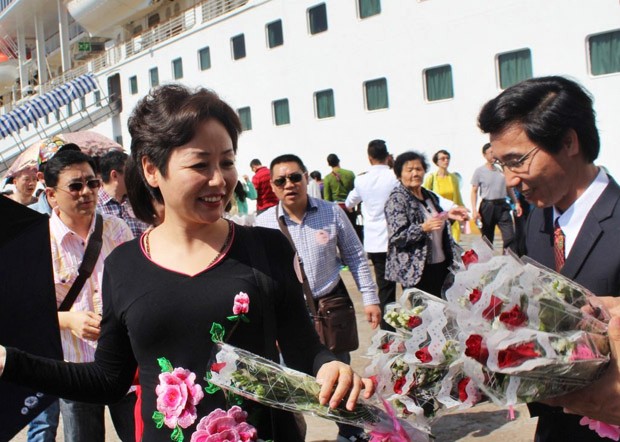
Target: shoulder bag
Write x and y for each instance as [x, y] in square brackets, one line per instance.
[333, 314]
[91, 254]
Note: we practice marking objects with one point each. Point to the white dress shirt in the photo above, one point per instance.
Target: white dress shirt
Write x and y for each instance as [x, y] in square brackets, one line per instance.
[373, 189]
[572, 219]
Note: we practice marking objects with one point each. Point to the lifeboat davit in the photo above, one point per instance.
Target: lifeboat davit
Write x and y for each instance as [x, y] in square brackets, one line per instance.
[100, 18]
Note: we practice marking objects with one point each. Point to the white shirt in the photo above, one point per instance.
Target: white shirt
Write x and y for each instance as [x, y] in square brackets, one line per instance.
[572, 219]
[373, 189]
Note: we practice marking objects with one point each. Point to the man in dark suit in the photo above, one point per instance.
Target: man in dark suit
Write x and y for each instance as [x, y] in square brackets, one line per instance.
[544, 136]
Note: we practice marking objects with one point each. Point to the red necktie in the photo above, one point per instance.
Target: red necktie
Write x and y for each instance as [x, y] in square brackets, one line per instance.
[558, 246]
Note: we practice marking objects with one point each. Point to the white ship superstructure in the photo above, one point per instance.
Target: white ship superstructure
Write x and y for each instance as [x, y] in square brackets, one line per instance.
[309, 77]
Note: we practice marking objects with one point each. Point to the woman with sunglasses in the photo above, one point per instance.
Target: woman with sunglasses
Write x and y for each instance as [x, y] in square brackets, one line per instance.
[163, 292]
[445, 184]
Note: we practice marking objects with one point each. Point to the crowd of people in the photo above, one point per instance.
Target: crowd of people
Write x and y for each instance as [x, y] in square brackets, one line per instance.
[175, 260]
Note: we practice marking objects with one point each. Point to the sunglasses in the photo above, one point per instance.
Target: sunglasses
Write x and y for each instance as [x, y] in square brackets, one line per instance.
[77, 186]
[294, 177]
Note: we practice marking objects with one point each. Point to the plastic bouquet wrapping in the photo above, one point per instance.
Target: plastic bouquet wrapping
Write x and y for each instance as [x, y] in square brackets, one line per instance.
[268, 383]
[509, 330]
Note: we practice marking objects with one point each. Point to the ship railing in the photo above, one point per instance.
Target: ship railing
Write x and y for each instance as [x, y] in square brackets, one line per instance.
[161, 32]
[213, 9]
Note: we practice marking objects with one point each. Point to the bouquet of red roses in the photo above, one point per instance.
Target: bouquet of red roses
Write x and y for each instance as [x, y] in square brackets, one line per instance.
[510, 330]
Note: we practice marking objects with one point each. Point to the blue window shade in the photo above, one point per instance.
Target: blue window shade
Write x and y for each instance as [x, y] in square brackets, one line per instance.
[281, 112]
[245, 115]
[317, 18]
[154, 75]
[376, 94]
[275, 36]
[238, 46]
[177, 68]
[133, 85]
[204, 57]
[514, 67]
[368, 8]
[439, 84]
[325, 107]
[605, 53]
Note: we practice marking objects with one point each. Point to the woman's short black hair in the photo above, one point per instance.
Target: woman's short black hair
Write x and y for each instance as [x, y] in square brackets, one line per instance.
[167, 118]
[405, 157]
[439, 152]
[546, 108]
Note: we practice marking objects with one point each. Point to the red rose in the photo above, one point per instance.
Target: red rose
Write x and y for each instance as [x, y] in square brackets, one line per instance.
[398, 385]
[476, 348]
[462, 385]
[514, 317]
[494, 308]
[475, 295]
[374, 380]
[423, 355]
[217, 366]
[385, 347]
[414, 321]
[469, 257]
[516, 355]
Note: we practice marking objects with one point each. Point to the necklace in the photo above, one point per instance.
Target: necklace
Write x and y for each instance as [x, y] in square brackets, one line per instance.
[147, 244]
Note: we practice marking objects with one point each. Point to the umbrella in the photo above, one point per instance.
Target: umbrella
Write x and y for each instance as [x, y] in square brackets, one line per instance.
[91, 143]
[28, 317]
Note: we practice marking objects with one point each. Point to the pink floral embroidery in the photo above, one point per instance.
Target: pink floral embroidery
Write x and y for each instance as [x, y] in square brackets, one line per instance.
[242, 304]
[602, 429]
[221, 426]
[177, 397]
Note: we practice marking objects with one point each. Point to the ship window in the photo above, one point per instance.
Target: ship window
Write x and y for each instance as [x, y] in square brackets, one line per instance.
[245, 115]
[514, 67]
[604, 53]
[82, 103]
[69, 109]
[177, 68]
[368, 8]
[204, 58]
[238, 46]
[98, 98]
[274, 34]
[280, 112]
[154, 76]
[317, 18]
[438, 83]
[153, 20]
[324, 102]
[376, 94]
[133, 85]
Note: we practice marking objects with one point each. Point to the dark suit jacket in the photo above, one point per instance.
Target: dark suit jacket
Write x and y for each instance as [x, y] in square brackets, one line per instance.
[594, 262]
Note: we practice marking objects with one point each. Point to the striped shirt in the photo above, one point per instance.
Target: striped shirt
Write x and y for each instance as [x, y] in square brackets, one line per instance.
[325, 240]
[67, 253]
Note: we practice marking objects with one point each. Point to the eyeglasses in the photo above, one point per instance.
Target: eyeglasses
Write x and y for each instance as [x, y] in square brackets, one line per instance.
[514, 165]
[77, 186]
[294, 177]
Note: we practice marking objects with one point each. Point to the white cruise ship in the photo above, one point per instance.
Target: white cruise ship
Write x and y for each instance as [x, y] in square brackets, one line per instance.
[309, 77]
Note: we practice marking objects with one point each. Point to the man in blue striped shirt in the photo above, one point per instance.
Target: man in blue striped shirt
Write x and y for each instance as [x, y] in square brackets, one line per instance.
[325, 240]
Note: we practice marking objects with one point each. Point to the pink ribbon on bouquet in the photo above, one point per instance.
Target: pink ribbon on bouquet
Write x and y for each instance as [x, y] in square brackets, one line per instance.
[397, 435]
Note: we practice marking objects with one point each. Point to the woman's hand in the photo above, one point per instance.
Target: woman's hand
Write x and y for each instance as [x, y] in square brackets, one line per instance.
[336, 380]
[458, 213]
[433, 224]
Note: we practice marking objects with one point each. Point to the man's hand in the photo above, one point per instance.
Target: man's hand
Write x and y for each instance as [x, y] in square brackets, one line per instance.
[373, 315]
[336, 379]
[601, 399]
[458, 213]
[84, 325]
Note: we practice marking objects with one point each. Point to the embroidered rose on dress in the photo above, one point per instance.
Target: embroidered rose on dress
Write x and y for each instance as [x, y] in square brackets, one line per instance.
[242, 304]
[177, 397]
[220, 426]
